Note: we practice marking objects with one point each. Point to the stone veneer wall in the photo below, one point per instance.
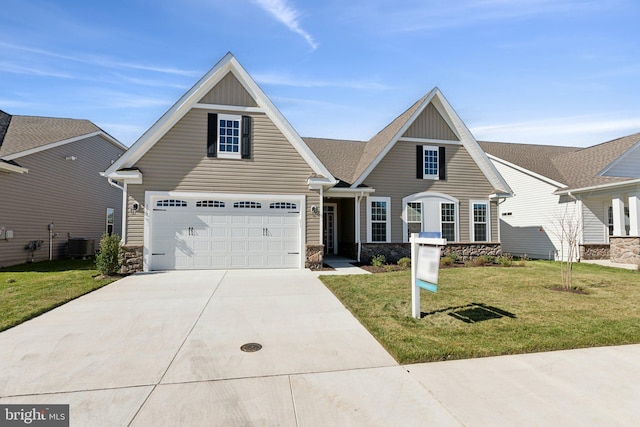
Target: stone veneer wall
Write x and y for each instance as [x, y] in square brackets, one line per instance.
[394, 251]
[625, 250]
[131, 259]
[314, 257]
[594, 251]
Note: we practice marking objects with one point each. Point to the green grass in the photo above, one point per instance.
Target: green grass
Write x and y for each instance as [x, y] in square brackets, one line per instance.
[29, 290]
[488, 311]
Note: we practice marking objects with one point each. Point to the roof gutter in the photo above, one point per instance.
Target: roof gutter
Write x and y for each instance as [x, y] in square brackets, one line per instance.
[570, 192]
[8, 167]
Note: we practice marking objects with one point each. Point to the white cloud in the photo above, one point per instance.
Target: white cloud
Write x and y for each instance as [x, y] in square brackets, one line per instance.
[288, 16]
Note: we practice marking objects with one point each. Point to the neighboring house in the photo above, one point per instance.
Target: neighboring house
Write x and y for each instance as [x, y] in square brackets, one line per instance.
[50, 174]
[222, 180]
[598, 186]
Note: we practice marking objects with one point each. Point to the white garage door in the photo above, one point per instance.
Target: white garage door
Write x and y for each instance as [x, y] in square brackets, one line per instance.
[214, 232]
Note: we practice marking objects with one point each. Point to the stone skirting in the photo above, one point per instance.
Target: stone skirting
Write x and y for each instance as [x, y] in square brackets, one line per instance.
[590, 251]
[394, 251]
[468, 251]
[625, 250]
[131, 259]
[314, 257]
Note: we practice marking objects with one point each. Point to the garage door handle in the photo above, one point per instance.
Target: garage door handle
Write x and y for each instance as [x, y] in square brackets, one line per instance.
[158, 253]
[294, 253]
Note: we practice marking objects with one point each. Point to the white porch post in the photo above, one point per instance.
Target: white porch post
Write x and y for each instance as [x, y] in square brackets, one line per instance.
[634, 214]
[618, 216]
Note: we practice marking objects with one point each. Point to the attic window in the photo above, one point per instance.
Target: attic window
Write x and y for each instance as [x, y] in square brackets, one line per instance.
[171, 203]
[209, 204]
[430, 162]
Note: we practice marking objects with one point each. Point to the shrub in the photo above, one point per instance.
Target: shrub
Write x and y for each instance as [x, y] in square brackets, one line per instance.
[446, 261]
[455, 256]
[506, 260]
[378, 260]
[482, 260]
[523, 260]
[404, 263]
[108, 259]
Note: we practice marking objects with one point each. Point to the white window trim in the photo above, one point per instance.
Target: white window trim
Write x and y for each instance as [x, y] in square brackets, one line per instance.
[370, 200]
[436, 176]
[456, 220]
[113, 220]
[224, 154]
[420, 197]
[405, 218]
[472, 230]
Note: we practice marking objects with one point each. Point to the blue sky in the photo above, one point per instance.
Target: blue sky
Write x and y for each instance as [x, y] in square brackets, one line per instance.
[563, 72]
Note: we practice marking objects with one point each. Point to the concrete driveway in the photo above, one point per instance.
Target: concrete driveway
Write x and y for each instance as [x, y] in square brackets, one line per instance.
[164, 349]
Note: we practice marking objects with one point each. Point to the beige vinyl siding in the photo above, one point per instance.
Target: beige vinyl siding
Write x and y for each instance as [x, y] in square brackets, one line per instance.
[430, 125]
[71, 194]
[395, 177]
[178, 162]
[229, 91]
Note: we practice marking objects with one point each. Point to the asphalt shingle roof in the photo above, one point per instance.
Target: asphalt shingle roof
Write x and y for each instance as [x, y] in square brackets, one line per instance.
[28, 132]
[571, 166]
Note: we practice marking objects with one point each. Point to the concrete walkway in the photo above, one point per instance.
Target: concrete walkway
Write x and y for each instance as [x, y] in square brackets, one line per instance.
[164, 349]
[341, 265]
[607, 263]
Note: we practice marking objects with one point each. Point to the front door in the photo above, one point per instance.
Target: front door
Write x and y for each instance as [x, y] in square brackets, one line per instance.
[330, 234]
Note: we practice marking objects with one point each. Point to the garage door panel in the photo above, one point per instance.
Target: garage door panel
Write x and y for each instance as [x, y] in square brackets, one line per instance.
[212, 237]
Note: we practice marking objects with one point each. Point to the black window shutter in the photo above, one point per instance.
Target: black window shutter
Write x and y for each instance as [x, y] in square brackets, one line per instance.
[212, 135]
[419, 162]
[442, 174]
[246, 137]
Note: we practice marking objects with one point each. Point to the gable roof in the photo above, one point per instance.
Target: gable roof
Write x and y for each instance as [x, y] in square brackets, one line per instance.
[381, 143]
[339, 156]
[577, 168]
[23, 135]
[228, 64]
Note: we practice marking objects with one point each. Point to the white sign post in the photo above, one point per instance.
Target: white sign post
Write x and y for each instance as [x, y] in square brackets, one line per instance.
[425, 263]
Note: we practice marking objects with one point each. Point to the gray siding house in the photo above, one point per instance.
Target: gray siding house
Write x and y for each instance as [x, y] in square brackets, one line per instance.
[222, 180]
[50, 174]
[598, 187]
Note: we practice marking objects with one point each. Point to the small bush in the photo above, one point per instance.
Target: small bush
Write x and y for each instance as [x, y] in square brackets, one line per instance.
[378, 260]
[455, 256]
[523, 260]
[506, 260]
[446, 261]
[404, 263]
[108, 259]
[482, 260]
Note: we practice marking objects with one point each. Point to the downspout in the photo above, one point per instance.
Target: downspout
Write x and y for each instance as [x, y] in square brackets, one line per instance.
[321, 213]
[122, 188]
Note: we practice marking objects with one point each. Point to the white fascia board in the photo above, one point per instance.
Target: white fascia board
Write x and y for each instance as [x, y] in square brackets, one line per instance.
[172, 116]
[318, 183]
[128, 177]
[349, 192]
[280, 121]
[473, 148]
[7, 167]
[608, 186]
[395, 139]
[63, 142]
[191, 99]
[526, 171]
[624, 155]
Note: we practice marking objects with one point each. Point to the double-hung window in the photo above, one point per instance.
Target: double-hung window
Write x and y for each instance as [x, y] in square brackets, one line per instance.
[110, 220]
[430, 162]
[414, 218]
[448, 221]
[229, 136]
[480, 221]
[379, 219]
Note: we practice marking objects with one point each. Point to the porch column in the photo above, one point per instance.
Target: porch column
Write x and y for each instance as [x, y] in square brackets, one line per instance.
[618, 216]
[634, 214]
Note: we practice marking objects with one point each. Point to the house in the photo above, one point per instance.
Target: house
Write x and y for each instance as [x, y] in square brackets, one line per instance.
[50, 186]
[598, 187]
[222, 180]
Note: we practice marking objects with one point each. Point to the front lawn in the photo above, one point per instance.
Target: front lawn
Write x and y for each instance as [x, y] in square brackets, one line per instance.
[488, 311]
[29, 290]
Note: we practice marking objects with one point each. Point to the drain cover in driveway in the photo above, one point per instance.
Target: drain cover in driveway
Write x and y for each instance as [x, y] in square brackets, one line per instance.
[251, 347]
